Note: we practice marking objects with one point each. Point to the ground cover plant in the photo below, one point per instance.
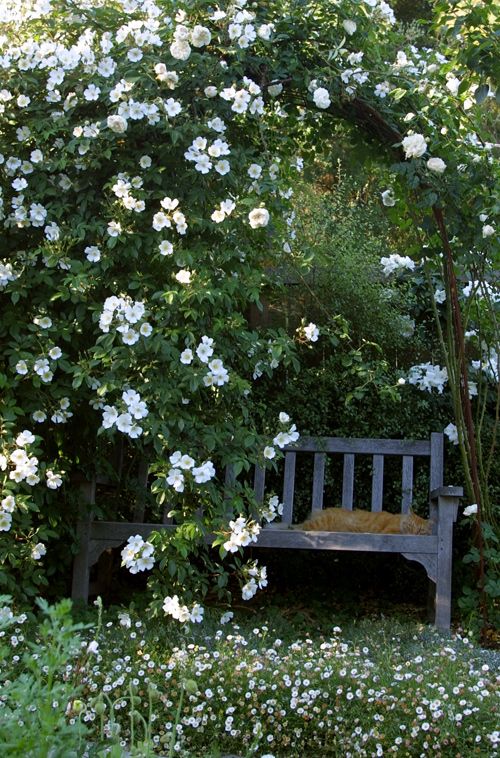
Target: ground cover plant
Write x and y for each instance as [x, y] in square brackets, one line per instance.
[321, 685]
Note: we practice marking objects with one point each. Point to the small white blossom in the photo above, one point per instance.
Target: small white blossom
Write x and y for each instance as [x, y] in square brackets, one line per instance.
[25, 438]
[183, 276]
[54, 480]
[38, 551]
[200, 36]
[311, 332]
[92, 253]
[388, 198]
[349, 26]
[451, 432]
[437, 165]
[321, 98]
[186, 356]
[396, 262]
[471, 510]
[414, 146]
[258, 217]
[117, 124]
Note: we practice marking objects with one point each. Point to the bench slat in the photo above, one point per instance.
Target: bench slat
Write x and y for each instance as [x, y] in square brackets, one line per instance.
[436, 461]
[348, 483]
[358, 445]
[407, 493]
[318, 481]
[385, 543]
[229, 476]
[272, 537]
[142, 489]
[377, 482]
[259, 481]
[288, 487]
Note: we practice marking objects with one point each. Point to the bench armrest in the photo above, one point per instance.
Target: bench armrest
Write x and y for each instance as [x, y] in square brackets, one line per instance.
[447, 492]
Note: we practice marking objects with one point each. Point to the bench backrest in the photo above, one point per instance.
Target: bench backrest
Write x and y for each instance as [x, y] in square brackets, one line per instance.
[378, 449]
[319, 448]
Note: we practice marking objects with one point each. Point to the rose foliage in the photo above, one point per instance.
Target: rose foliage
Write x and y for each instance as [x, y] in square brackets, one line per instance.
[148, 153]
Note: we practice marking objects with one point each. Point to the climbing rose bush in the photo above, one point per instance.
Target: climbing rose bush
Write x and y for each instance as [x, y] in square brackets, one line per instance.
[147, 157]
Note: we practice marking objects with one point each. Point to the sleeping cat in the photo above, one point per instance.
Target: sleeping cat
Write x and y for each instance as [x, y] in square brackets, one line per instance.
[343, 520]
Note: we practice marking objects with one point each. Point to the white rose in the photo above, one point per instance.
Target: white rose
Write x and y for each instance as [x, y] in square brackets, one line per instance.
[470, 510]
[275, 89]
[349, 26]
[181, 32]
[183, 276]
[453, 84]
[488, 230]
[117, 124]
[258, 217]
[321, 98]
[180, 49]
[414, 146]
[311, 332]
[436, 164]
[200, 36]
[264, 31]
[452, 433]
[388, 198]
[210, 91]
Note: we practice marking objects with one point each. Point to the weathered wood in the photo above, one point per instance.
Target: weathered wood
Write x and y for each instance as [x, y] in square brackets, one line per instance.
[318, 481]
[81, 563]
[121, 530]
[259, 481]
[437, 461]
[106, 532]
[348, 482]
[142, 489]
[377, 482]
[446, 492]
[368, 446]
[384, 543]
[288, 487]
[427, 560]
[447, 512]
[407, 484]
[229, 476]
[229, 482]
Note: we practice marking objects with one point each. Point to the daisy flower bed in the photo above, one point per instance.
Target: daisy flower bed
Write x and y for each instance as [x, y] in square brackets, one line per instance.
[133, 687]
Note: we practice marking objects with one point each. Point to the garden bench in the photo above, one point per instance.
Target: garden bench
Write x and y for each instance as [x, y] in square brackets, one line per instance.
[432, 551]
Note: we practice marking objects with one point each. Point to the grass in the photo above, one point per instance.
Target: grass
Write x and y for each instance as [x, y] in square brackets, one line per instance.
[265, 683]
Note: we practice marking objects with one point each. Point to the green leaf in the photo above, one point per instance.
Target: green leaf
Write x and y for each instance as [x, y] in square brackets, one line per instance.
[397, 93]
[481, 93]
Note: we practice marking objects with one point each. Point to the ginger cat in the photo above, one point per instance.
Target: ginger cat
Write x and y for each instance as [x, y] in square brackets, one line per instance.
[343, 520]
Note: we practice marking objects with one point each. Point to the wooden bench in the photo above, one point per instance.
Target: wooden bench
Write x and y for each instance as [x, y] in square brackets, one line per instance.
[433, 551]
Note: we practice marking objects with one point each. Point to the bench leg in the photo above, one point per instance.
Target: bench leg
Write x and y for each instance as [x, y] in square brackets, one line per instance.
[442, 617]
[447, 516]
[81, 565]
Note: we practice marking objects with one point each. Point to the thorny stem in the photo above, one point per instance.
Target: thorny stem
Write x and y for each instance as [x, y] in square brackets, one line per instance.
[458, 336]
